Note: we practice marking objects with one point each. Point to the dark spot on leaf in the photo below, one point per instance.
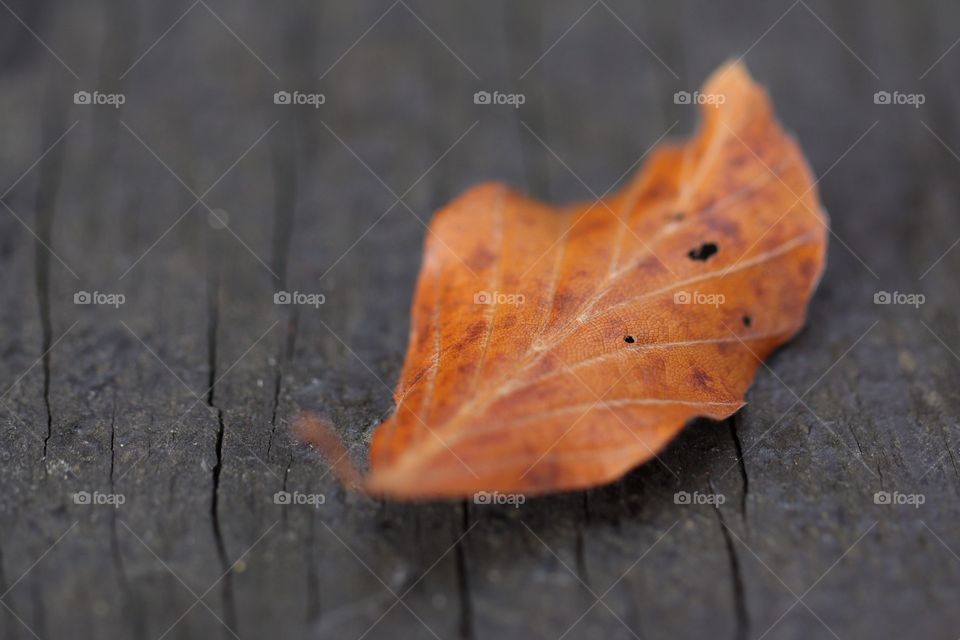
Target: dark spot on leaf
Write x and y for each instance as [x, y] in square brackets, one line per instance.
[481, 259]
[629, 339]
[473, 332]
[678, 215]
[701, 379]
[563, 301]
[747, 320]
[703, 252]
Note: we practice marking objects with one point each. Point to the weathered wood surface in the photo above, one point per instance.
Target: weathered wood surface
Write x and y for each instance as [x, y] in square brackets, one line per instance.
[180, 400]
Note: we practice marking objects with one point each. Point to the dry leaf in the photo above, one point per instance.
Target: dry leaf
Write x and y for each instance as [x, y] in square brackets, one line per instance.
[555, 349]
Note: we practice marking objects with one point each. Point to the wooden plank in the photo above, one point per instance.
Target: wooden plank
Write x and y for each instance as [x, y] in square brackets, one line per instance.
[180, 400]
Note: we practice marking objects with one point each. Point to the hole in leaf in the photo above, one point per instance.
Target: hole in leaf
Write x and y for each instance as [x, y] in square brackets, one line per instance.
[747, 320]
[703, 252]
[629, 339]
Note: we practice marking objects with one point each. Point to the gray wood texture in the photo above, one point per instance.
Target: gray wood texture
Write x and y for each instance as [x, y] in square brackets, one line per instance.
[180, 399]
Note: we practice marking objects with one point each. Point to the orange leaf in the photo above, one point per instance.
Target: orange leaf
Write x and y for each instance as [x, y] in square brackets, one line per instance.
[554, 349]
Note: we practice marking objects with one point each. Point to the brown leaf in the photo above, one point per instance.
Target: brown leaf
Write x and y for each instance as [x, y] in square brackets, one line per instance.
[555, 349]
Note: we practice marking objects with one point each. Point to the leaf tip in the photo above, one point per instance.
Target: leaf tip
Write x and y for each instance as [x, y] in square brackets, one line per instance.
[729, 80]
[318, 432]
